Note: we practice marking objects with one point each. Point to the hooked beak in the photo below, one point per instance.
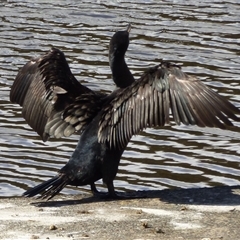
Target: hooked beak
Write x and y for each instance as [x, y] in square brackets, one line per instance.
[129, 28]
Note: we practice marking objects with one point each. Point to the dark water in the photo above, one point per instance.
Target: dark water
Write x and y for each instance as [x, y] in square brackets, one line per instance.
[204, 37]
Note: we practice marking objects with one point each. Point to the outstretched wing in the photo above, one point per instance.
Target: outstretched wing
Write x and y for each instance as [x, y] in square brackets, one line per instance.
[47, 90]
[160, 91]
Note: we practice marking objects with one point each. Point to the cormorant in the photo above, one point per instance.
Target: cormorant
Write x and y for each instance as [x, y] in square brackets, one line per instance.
[55, 104]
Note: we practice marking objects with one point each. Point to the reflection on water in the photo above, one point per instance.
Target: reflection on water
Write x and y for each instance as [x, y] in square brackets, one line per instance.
[203, 37]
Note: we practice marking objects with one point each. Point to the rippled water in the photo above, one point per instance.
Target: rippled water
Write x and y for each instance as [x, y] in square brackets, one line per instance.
[203, 37]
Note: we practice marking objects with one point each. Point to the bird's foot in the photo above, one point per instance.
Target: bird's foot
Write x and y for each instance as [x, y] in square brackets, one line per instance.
[114, 196]
[102, 195]
[111, 194]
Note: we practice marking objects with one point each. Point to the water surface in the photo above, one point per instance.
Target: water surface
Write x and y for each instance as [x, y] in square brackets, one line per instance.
[203, 37]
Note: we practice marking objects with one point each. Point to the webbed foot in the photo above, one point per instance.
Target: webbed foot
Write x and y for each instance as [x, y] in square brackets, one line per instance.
[112, 194]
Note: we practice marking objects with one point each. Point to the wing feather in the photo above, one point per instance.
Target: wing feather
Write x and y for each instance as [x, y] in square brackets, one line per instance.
[47, 91]
[160, 91]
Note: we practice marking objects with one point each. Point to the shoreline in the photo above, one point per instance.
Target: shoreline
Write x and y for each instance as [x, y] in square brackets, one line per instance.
[204, 213]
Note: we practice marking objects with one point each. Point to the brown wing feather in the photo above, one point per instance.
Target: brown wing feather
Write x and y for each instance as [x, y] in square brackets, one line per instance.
[45, 88]
[76, 116]
[160, 91]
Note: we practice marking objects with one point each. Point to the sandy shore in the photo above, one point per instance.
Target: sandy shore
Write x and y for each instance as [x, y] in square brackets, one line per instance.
[206, 214]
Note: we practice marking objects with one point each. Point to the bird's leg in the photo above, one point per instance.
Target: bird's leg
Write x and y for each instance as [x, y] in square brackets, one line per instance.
[96, 193]
[94, 189]
[111, 194]
[111, 191]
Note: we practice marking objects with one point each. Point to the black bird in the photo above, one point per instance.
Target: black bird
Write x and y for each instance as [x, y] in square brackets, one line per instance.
[55, 104]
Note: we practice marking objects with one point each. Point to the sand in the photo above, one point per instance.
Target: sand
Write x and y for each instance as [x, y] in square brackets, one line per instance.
[206, 214]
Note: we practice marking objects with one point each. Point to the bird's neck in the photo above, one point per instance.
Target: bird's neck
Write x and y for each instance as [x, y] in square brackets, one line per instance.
[120, 71]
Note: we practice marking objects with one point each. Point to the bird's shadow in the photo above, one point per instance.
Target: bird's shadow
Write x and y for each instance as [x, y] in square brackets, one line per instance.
[221, 195]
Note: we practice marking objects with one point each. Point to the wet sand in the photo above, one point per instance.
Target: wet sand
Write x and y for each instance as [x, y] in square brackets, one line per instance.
[206, 213]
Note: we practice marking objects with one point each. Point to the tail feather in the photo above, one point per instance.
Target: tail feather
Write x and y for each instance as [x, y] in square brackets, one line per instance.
[49, 188]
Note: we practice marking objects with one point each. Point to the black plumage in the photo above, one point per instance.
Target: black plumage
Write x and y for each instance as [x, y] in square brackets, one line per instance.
[55, 104]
